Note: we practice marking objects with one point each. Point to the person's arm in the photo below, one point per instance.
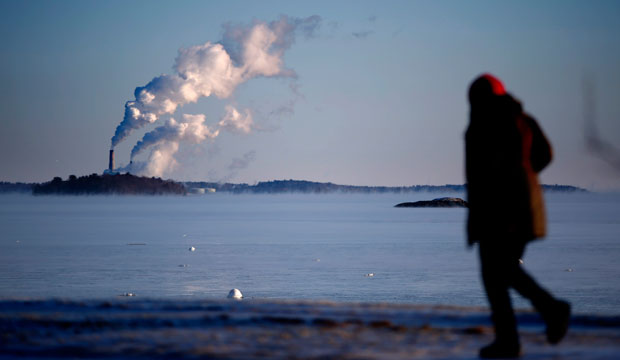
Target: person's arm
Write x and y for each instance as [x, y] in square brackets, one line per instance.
[541, 153]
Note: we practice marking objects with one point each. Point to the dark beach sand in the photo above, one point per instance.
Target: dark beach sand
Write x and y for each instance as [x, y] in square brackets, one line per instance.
[136, 328]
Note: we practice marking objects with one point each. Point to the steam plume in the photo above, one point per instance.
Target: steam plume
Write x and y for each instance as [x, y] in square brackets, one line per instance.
[215, 69]
[165, 139]
[236, 122]
[160, 161]
[239, 164]
[242, 163]
[191, 129]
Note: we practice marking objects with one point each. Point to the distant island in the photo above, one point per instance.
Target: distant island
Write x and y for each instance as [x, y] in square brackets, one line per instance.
[95, 184]
[131, 184]
[445, 202]
[18, 187]
[303, 186]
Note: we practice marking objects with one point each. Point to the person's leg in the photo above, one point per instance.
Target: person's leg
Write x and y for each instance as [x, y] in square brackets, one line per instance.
[556, 313]
[529, 288]
[498, 266]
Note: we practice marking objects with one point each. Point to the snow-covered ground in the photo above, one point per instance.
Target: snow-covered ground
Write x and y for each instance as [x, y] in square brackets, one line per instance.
[131, 327]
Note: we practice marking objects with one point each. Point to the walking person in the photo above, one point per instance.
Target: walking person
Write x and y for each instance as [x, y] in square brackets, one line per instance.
[504, 150]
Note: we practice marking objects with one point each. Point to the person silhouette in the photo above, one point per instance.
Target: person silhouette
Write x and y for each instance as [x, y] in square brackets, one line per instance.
[504, 150]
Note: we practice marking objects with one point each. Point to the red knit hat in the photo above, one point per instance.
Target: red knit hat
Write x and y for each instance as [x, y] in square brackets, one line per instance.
[485, 86]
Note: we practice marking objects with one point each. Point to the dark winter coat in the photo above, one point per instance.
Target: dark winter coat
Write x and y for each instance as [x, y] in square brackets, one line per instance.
[504, 150]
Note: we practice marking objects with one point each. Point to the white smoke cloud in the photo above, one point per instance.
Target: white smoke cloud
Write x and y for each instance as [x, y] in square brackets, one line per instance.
[234, 121]
[161, 159]
[191, 129]
[164, 140]
[215, 69]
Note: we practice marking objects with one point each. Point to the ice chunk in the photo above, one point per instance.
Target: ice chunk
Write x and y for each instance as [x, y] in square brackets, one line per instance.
[235, 294]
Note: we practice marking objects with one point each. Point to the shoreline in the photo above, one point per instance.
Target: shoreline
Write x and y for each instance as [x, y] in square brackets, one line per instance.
[276, 329]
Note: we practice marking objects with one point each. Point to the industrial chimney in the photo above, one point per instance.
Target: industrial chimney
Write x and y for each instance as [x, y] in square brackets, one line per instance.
[111, 164]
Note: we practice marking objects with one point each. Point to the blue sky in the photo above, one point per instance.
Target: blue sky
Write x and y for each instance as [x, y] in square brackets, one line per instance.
[381, 87]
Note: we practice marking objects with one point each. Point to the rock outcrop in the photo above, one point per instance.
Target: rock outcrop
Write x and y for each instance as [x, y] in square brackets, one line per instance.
[440, 202]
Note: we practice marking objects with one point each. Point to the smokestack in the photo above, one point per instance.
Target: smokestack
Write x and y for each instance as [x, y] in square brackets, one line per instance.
[111, 164]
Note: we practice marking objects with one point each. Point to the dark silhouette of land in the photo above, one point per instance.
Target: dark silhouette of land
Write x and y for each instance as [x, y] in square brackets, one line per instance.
[131, 184]
[303, 186]
[94, 184]
[446, 202]
[19, 187]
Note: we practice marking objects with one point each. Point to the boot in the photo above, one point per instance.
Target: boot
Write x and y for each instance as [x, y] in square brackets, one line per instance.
[501, 350]
[557, 319]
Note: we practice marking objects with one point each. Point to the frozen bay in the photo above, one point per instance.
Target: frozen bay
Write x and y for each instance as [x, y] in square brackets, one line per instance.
[291, 246]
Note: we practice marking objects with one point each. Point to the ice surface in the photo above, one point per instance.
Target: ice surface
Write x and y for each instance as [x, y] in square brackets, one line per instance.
[269, 246]
[136, 328]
